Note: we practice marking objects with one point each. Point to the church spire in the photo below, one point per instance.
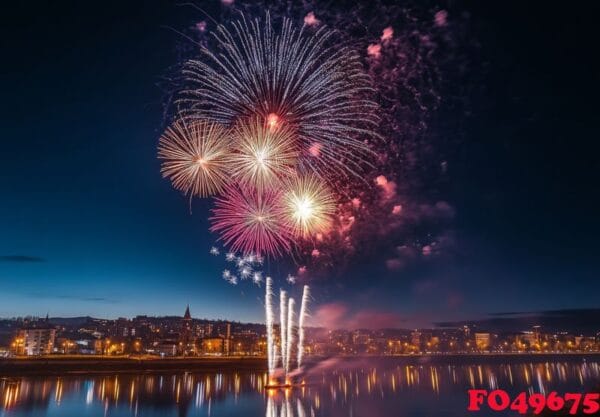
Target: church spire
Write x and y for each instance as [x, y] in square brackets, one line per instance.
[187, 315]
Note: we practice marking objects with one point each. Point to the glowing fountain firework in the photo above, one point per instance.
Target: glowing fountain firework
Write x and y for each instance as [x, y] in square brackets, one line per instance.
[251, 222]
[283, 323]
[309, 206]
[289, 339]
[194, 155]
[271, 351]
[301, 322]
[287, 76]
[263, 154]
[287, 331]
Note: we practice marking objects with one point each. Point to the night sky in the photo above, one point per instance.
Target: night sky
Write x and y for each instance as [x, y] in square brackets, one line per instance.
[89, 227]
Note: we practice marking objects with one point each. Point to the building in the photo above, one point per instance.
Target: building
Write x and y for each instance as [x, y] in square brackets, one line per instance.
[213, 346]
[530, 338]
[415, 339]
[35, 339]
[187, 339]
[166, 348]
[483, 341]
[219, 343]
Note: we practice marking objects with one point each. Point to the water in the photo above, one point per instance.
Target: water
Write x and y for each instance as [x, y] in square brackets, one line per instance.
[351, 389]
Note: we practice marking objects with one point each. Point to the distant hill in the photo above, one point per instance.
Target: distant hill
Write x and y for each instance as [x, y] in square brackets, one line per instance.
[70, 321]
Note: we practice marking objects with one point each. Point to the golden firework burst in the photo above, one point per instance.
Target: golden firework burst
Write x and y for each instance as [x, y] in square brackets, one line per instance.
[309, 205]
[265, 153]
[194, 155]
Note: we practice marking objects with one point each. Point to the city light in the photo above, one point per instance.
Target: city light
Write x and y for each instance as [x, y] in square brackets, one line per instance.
[153, 336]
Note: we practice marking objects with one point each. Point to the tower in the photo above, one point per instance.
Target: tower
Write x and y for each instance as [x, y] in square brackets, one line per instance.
[186, 339]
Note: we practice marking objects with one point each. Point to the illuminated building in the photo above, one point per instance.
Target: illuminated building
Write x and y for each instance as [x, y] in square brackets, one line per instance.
[530, 338]
[218, 343]
[166, 348]
[482, 341]
[66, 346]
[415, 339]
[35, 339]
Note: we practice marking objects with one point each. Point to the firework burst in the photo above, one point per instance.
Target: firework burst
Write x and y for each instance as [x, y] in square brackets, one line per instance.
[257, 278]
[309, 206]
[229, 277]
[264, 154]
[287, 76]
[194, 155]
[251, 222]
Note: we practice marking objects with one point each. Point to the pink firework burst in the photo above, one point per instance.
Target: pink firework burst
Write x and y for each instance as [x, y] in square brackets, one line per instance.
[251, 222]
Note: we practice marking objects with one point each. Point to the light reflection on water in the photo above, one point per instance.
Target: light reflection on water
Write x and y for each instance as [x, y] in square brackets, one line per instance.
[387, 389]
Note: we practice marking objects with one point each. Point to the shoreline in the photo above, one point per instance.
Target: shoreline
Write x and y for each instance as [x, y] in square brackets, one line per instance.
[98, 365]
[85, 365]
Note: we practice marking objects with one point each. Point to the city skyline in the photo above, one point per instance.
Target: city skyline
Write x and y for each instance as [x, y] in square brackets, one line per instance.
[186, 336]
[576, 321]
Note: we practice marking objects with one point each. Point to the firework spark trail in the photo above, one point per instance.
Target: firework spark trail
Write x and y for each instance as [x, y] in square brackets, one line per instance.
[301, 322]
[283, 326]
[289, 340]
[271, 351]
[290, 76]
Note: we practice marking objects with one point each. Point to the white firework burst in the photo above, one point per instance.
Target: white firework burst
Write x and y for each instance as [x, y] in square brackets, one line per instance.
[305, 79]
[257, 278]
[245, 272]
[229, 277]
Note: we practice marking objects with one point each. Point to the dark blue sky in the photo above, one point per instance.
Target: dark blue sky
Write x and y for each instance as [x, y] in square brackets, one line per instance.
[99, 232]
